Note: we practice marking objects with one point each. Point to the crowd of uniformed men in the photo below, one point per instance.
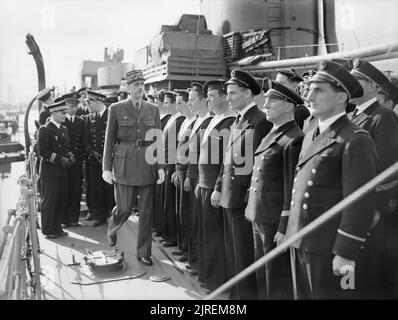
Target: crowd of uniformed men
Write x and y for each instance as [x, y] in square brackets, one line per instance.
[226, 180]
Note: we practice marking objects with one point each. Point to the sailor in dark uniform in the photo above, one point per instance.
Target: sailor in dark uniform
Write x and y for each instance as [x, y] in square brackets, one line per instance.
[178, 178]
[46, 97]
[82, 109]
[289, 78]
[270, 189]
[158, 215]
[52, 145]
[198, 105]
[170, 133]
[101, 193]
[382, 125]
[212, 150]
[249, 128]
[337, 157]
[75, 126]
[127, 165]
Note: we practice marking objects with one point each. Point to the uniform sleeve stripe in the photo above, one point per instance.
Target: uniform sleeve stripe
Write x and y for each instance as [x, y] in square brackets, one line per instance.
[285, 213]
[348, 235]
[387, 186]
[53, 155]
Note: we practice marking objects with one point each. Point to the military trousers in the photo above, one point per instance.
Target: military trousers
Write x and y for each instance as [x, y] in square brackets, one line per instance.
[192, 222]
[75, 183]
[274, 280]
[127, 197]
[170, 218]
[313, 277]
[213, 238]
[183, 213]
[53, 203]
[238, 237]
[158, 218]
[101, 195]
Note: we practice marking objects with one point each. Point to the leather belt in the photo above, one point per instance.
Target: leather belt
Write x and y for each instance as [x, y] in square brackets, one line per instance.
[139, 143]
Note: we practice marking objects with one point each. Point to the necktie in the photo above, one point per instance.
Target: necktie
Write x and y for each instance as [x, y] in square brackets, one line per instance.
[237, 120]
[137, 107]
[97, 116]
[355, 113]
[316, 133]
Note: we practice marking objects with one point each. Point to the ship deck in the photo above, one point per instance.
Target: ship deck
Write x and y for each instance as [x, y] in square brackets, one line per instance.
[63, 282]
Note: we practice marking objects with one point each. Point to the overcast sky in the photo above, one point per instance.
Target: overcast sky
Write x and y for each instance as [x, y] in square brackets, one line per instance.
[69, 31]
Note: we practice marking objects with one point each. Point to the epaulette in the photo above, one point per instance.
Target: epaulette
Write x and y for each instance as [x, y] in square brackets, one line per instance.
[361, 131]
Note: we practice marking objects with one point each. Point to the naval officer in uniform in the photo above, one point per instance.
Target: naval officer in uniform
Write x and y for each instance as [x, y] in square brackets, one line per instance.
[337, 157]
[75, 126]
[382, 125]
[270, 189]
[53, 148]
[247, 131]
[101, 194]
[125, 163]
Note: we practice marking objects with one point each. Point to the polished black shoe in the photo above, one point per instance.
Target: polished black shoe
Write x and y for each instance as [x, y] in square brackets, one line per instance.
[188, 266]
[147, 261]
[177, 253]
[98, 223]
[169, 244]
[182, 259]
[51, 236]
[62, 233]
[64, 225]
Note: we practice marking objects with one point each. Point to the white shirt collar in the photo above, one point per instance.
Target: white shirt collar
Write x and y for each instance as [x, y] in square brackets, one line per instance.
[58, 125]
[366, 105]
[249, 106]
[71, 118]
[323, 125]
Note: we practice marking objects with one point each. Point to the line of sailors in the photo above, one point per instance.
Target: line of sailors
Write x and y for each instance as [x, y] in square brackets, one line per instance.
[222, 215]
[239, 180]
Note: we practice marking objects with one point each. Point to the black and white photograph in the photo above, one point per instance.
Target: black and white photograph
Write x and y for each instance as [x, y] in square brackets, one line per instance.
[198, 155]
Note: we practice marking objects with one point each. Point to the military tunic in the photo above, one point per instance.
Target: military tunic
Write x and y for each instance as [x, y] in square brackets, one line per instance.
[233, 182]
[52, 145]
[134, 177]
[269, 203]
[101, 193]
[332, 166]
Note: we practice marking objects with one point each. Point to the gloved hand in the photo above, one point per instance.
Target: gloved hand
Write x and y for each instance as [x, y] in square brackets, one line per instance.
[65, 162]
[71, 156]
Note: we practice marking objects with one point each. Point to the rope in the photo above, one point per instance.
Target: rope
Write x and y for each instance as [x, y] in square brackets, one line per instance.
[329, 214]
